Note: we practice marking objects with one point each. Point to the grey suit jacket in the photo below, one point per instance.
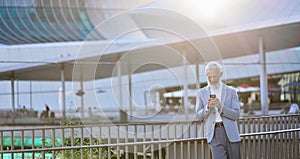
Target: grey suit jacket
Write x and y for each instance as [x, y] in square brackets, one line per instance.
[230, 113]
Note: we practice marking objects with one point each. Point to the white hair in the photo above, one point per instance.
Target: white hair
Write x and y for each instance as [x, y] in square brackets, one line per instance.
[214, 65]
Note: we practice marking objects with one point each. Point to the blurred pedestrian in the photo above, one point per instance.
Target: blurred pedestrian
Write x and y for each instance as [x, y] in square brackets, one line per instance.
[167, 108]
[91, 114]
[294, 108]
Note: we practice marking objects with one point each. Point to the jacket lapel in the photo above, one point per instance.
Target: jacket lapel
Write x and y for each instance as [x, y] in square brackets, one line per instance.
[223, 96]
[207, 89]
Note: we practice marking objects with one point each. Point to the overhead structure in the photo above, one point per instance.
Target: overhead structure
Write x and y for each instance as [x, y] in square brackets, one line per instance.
[229, 43]
[39, 21]
[145, 25]
[137, 33]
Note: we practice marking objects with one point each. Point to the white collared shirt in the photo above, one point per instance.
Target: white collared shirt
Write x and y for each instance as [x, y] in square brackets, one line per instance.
[218, 93]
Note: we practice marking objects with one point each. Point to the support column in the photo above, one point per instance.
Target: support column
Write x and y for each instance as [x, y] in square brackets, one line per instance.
[81, 96]
[123, 113]
[18, 95]
[197, 76]
[62, 74]
[185, 86]
[263, 78]
[130, 95]
[146, 102]
[12, 80]
[31, 108]
[197, 83]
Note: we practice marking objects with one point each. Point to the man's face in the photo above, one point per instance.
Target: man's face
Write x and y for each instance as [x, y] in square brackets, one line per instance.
[213, 76]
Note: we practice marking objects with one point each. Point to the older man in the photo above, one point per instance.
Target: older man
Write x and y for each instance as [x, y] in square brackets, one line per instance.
[218, 106]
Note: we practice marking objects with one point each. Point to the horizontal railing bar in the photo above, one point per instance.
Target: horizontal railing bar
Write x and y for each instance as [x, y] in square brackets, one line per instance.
[136, 143]
[269, 132]
[140, 123]
[100, 146]
[268, 116]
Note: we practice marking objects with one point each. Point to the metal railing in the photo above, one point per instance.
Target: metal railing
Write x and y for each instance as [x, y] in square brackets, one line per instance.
[268, 123]
[81, 137]
[271, 145]
[268, 145]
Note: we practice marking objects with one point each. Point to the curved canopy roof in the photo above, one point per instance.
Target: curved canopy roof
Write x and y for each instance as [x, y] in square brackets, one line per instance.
[38, 21]
[99, 24]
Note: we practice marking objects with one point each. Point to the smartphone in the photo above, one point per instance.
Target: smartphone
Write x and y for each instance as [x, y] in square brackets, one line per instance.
[212, 96]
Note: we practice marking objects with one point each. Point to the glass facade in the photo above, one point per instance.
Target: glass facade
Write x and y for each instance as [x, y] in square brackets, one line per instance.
[24, 22]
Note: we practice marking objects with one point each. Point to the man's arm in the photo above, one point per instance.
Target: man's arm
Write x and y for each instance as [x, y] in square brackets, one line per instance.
[202, 110]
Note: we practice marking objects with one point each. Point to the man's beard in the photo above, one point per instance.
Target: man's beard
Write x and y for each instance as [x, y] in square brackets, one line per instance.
[215, 85]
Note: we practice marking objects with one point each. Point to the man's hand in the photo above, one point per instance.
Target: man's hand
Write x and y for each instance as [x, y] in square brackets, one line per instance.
[214, 102]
